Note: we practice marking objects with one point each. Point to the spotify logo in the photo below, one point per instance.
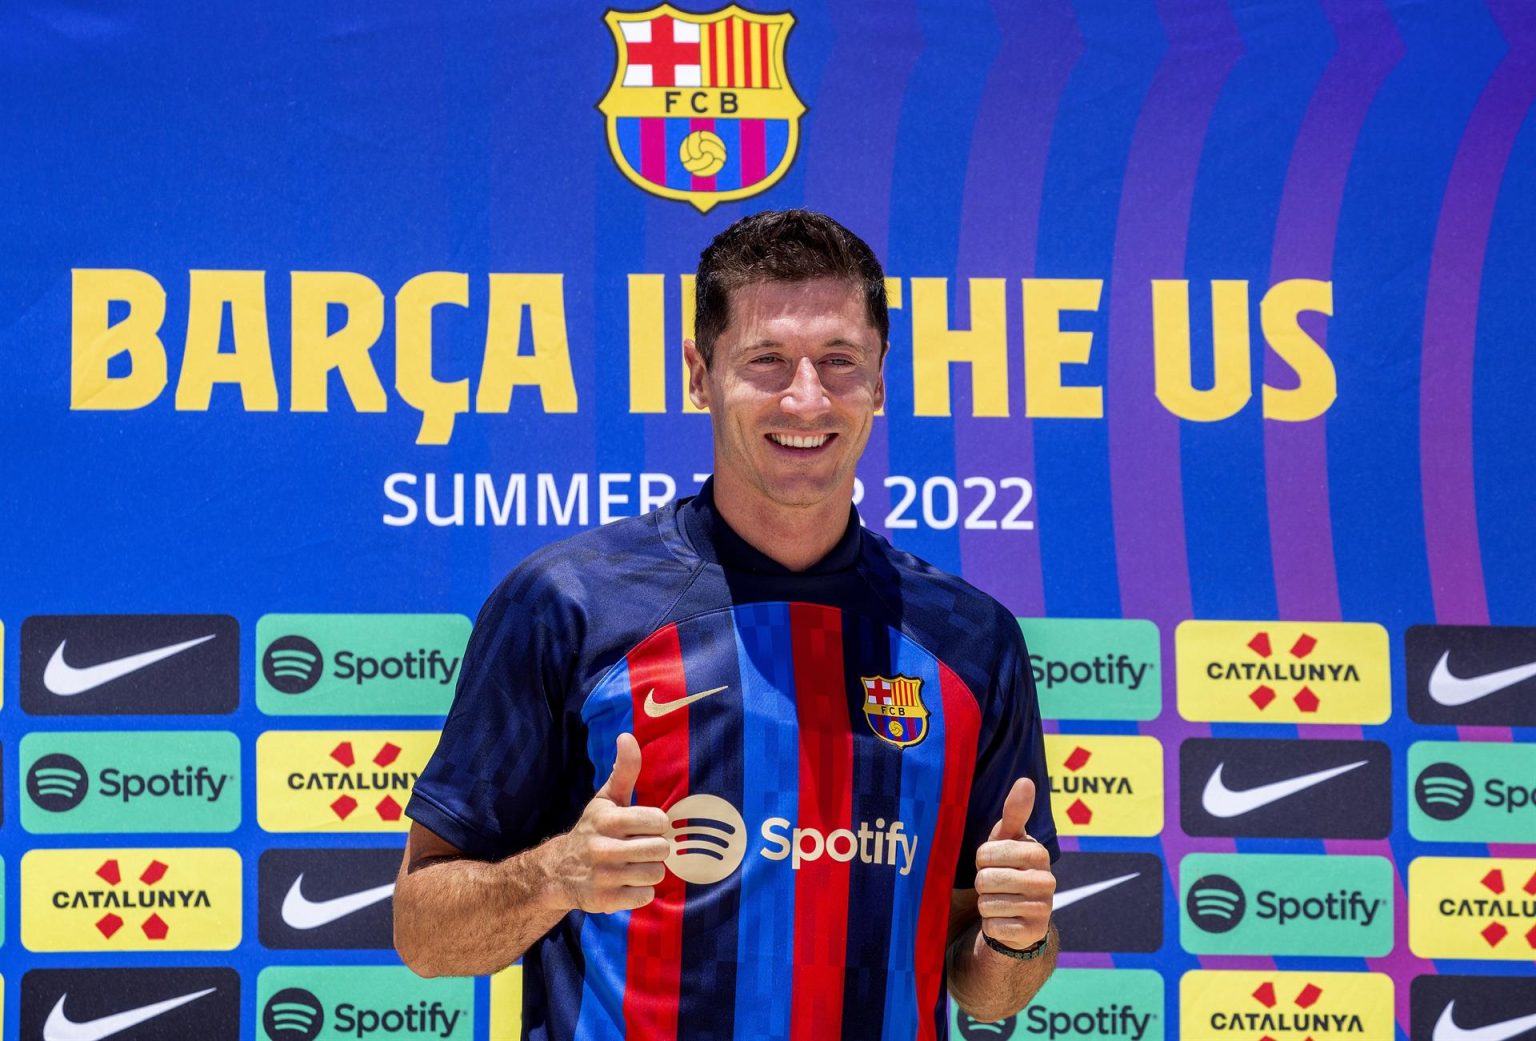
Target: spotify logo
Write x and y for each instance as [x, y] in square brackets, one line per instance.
[708, 838]
[292, 664]
[1216, 903]
[1443, 791]
[981, 1030]
[293, 1015]
[57, 783]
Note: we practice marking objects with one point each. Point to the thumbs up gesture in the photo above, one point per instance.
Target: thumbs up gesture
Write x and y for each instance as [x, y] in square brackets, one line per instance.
[613, 857]
[1014, 883]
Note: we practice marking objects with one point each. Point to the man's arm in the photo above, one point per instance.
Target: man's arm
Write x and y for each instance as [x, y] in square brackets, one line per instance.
[457, 916]
[1012, 904]
[988, 985]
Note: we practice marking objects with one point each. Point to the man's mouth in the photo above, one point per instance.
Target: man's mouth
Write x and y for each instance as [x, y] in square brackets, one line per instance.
[800, 440]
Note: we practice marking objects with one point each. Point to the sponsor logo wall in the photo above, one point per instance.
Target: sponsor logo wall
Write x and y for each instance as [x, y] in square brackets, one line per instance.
[1209, 358]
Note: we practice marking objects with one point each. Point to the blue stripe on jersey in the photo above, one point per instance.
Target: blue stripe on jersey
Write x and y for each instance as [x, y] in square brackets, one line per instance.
[711, 913]
[876, 786]
[921, 786]
[770, 755]
[608, 712]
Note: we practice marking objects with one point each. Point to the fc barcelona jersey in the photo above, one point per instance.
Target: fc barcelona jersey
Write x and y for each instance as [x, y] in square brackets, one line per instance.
[831, 746]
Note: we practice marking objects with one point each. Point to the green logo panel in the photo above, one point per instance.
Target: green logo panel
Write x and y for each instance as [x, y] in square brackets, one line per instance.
[1095, 668]
[332, 1003]
[1079, 1005]
[145, 781]
[358, 664]
[1472, 791]
[1255, 903]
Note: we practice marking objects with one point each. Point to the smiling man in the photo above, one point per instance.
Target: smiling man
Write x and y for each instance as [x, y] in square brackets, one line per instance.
[739, 768]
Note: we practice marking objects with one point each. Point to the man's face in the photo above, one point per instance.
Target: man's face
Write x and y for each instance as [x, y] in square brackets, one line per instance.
[793, 388]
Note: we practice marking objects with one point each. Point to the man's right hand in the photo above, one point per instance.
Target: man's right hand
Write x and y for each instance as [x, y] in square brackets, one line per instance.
[612, 860]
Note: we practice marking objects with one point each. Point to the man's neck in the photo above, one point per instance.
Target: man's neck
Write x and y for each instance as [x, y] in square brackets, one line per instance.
[796, 537]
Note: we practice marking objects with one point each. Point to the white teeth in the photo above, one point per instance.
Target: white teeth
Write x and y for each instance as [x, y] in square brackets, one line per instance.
[793, 441]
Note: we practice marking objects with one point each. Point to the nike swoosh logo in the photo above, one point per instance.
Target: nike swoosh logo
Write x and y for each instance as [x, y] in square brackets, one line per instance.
[1450, 691]
[64, 679]
[60, 1027]
[656, 709]
[1068, 897]
[302, 913]
[1447, 1030]
[1221, 801]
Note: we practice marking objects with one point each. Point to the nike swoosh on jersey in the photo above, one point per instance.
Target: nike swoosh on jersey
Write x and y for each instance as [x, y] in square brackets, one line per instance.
[656, 709]
[65, 679]
[1221, 801]
[1450, 690]
[302, 913]
[1068, 897]
[60, 1027]
[1447, 1030]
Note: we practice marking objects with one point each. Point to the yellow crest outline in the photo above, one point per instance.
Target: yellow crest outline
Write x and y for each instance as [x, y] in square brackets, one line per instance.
[772, 103]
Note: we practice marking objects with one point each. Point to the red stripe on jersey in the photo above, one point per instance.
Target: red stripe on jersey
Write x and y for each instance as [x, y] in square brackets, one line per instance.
[656, 930]
[962, 723]
[762, 55]
[729, 27]
[826, 804]
[702, 184]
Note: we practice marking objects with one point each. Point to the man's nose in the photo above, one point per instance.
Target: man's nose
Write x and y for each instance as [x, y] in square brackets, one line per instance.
[805, 396]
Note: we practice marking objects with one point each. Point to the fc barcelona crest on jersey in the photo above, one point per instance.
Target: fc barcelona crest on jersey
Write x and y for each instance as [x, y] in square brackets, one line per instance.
[894, 709]
[701, 108]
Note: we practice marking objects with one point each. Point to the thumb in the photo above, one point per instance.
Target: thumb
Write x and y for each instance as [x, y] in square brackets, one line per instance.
[1016, 810]
[620, 786]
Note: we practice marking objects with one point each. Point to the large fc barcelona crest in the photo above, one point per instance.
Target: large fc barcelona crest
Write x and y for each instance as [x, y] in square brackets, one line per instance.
[701, 108]
[894, 709]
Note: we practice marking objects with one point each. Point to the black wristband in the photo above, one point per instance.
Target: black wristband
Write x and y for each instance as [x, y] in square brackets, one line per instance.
[1029, 953]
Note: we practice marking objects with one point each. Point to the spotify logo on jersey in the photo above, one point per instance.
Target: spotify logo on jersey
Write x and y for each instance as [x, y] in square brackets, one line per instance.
[293, 1015]
[708, 838]
[57, 783]
[1443, 791]
[292, 664]
[1216, 903]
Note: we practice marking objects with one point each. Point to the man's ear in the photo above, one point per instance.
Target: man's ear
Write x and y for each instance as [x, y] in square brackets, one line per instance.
[698, 375]
[885, 349]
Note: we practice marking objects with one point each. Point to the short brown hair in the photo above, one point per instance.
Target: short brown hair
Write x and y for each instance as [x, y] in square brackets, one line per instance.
[782, 246]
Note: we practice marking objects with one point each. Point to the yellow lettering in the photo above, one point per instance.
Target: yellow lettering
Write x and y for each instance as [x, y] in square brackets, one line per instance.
[548, 365]
[648, 344]
[1047, 347]
[94, 342]
[438, 402]
[249, 365]
[1317, 383]
[935, 347]
[1231, 386]
[690, 303]
[317, 351]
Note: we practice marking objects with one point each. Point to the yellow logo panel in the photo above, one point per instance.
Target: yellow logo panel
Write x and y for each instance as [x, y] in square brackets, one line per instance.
[1283, 672]
[507, 1002]
[1285, 1006]
[1105, 785]
[1472, 907]
[130, 900]
[338, 780]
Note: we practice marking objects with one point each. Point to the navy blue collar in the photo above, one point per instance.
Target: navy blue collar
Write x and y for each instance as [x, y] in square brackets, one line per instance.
[716, 541]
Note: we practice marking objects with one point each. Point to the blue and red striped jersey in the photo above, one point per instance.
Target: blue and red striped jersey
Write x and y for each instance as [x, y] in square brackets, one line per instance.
[831, 746]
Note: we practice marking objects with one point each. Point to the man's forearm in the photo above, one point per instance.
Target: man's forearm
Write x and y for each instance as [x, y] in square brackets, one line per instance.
[992, 986]
[460, 917]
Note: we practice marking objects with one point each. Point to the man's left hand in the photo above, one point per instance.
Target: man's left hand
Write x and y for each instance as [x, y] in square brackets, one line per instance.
[1014, 883]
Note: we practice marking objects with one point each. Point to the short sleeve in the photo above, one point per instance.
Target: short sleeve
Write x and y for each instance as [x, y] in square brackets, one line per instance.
[1011, 745]
[498, 773]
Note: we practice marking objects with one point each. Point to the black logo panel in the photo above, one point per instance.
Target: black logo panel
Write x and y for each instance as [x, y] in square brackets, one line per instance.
[327, 898]
[131, 1004]
[1478, 675]
[1109, 901]
[1266, 788]
[1472, 1008]
[112, 665]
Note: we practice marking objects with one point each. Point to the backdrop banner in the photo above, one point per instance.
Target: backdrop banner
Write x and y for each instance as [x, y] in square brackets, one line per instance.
[1210, 357]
